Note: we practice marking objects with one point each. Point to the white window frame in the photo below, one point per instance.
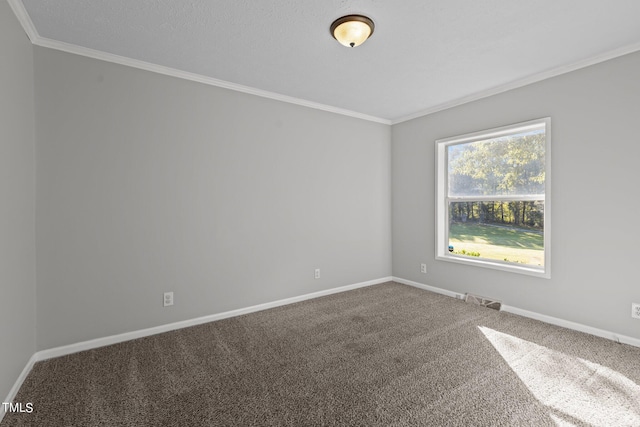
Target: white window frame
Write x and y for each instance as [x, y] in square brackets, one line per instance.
[443, 199]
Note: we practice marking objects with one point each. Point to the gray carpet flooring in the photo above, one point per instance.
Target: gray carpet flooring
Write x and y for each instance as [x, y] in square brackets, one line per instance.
[385, 355]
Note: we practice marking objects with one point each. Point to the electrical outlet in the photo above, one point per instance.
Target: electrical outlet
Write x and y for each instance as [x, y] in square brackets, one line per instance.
[316, 274]
[168, 299]
[423, 268]
[635, 310]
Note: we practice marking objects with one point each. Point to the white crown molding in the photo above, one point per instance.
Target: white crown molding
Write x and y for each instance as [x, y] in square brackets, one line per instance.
[36, 39]
[625, 50]
[24, 19]
[172, 72]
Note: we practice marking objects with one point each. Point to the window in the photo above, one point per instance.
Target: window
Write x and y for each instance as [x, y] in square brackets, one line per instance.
[493, 198]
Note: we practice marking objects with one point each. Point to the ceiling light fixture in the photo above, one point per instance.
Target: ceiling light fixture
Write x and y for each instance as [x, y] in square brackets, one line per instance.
[352, 30]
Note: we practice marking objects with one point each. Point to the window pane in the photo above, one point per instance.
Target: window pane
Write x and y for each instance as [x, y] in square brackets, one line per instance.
[511, 232]
[506, 165]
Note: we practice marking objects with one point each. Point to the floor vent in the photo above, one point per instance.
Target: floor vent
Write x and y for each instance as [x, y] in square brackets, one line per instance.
[483, 301]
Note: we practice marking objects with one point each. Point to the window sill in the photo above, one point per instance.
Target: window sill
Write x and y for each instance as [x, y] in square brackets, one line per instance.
[540, 272]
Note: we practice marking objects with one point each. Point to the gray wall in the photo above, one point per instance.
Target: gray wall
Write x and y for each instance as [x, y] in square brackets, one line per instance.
[149, 184]
[17, 201]
[595, 151]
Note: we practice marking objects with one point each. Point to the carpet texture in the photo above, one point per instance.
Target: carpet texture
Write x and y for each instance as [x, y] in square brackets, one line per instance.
[385, 355]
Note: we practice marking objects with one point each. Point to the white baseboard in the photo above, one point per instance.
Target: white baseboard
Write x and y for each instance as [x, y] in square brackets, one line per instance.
[533, 315]
[573, 325]
[16, 386]
[428, 287]
[114, 339]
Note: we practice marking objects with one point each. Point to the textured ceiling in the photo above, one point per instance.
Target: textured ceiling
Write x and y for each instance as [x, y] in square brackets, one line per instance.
[424, 54]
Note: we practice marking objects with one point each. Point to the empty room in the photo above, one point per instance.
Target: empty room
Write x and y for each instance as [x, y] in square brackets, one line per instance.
[416, 213]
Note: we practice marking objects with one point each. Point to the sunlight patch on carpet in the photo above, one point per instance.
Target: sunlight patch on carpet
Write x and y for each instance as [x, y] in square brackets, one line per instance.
[576, 388]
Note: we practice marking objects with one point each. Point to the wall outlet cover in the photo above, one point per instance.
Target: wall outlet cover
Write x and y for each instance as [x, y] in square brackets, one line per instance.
[635, 310]
[168, 299]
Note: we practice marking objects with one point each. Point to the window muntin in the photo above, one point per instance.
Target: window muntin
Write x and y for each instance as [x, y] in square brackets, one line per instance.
[493, 198]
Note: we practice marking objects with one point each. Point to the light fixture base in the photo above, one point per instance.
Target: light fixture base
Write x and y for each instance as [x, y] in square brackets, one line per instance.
[352, 30]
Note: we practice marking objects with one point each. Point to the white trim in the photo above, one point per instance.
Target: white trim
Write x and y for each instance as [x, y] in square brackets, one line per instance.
[443, 199]
[495, 265]
[621, 51]
[36, 39]
[428, 287]
[172, 72]
[127, 336]
[114, 339]
[492, 133]
[573, 325]
[16, 386]
[497, 198]
[100, 342]
[24, 19]
[533, 315]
